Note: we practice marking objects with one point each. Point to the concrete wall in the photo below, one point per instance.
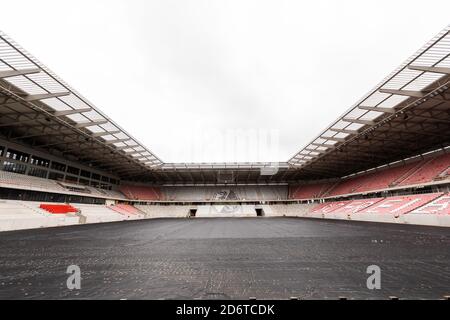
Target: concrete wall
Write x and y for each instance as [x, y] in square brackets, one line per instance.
[215, 211]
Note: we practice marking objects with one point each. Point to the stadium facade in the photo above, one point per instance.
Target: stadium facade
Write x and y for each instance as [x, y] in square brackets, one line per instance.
[64, 162]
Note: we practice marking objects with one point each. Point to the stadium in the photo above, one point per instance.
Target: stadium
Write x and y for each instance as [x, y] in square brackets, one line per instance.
[373, 188]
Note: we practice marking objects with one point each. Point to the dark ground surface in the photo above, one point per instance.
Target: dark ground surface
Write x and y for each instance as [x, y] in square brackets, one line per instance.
[226, 259]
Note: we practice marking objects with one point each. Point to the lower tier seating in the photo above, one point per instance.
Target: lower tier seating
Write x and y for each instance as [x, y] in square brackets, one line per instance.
[401, 204]
[128, 211]
[440, 205]
[58, 208]
[425, 209]
[93, 213]
[164, 211]
[20, 215]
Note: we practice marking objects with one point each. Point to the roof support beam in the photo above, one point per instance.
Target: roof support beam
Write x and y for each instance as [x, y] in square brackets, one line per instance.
[431, 69]
[360, 121]
[334, 139]
[45, 134]
[117, 141]
[345, 131]
[377, 109]
[59, 143]
[90, 123]
[432, 119]
[21, 122]
[315, 150]
[106, 133]
[35, 97]
[322, 145]
[69, 112]
[15, 73]
[408, 93]
[91, 148]
[126, 147]
[133, 153]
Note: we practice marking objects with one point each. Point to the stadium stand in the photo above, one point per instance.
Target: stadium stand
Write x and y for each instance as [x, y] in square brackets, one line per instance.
[24, 182]
[11, 179]
[287, 210]
[163, 211]
[327, 207]
[247, 193]
[378, 180]
[350, 208]
[440, 205]
[342, 165]
[128, 211]
[434, 213]
[220, 211]
[19, 215]
[413, 173]
[444, 175]
[99, 214]
[141, 192]
[310, 191]
[401, 204]
[428, 171]
[58, 208]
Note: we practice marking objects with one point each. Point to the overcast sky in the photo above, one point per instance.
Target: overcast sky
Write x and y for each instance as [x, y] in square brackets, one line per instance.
[214, 81]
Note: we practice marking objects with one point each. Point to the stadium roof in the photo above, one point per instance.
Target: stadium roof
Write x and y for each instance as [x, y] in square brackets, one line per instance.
[408, 113]
[43, 107]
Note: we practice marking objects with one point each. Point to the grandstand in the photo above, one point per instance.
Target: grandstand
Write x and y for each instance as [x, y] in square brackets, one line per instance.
[96, 192]
[63, 162]
[225, 230]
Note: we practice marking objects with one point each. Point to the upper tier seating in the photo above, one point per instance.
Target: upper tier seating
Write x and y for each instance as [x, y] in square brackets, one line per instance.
[11, 179]
[28, 182]
[445, 174]
[226, 193]
[401, 204]
[310, 191]
[428, 171]
[378, 180]
[417, 172]
[141, 192]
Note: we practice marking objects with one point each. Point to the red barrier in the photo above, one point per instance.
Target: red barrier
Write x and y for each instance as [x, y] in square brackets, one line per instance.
[58, 208]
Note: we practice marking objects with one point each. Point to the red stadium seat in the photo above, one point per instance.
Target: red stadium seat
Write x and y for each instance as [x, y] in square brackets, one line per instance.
[58, 208]
[125, 209]
[310, 191]
[417, 172]
[401, 204]
[141, 192]
[357, 205]
[428, 171]
[328, 207]
[378, 180]
[440, 205]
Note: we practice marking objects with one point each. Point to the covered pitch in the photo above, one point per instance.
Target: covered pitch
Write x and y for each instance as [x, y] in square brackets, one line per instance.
[275, 258]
